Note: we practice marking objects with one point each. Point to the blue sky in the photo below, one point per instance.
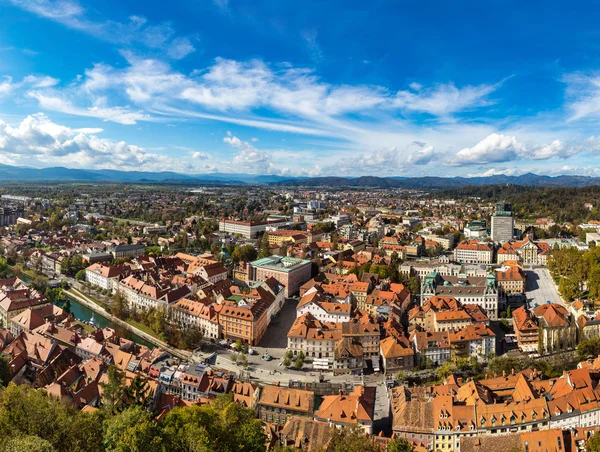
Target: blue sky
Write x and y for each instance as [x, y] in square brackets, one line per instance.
[302, 88]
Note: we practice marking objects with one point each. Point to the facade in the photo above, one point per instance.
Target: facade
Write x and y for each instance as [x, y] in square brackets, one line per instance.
[141, 295]
[526, 329]
[482, 291]
[276, 404]
[290, 271]
[511, 279]
[347, 410]
[558, 328]
[120, 251]
[105, 277]
[317, 304]
[247, 323]
[473, 252]
[249, 230]
[396, 354]
[503, 223]
[193, 313]
[314, 338]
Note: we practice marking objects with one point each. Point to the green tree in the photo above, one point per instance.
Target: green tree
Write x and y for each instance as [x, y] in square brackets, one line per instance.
[113, 391]
[131, 431]
[4, 370]
[28, 443]
[118, 306]
[287, 362]
[593, 444]
[399, 445]
[351, 440]
[299, 362]
[80, 275]
[588, 348]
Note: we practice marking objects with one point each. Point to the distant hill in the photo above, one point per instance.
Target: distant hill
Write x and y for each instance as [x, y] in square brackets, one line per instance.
[15, 173]
[430, 182]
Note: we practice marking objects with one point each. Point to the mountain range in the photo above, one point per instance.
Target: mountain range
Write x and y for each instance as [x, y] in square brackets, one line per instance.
[55, 174]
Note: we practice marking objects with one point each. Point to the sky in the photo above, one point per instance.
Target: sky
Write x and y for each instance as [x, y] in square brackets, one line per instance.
[302, 88]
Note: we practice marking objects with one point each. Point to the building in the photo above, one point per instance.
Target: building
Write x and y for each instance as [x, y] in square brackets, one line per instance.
[121, 251]
[347, 410]
[482, 291]
[476, 229]
[558, 328]
[16, 297]
[473, 252]
[526, 329]
[316, 339]
[143, 295]
[247, 229]
[247, 322]
[503, 223]
[194, 313]
[290, 271]
[396, 354]
[315, 302]
[511, 279]
[104, 276]
[526, 251]
[276, 404]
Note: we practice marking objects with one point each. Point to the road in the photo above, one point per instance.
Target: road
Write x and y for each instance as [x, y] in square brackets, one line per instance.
[541, 288]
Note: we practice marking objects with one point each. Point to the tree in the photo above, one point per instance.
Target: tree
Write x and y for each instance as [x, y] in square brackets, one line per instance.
[351, 440]
[237, 346]
[4, 371]
[28, 443]
[118, 306]
[263, 250]
[80, 275]
[588, 348]
[244, 361]
[399, 445]
[131, 431]
[593, 444]
[246, 253]
[299, 362]
[234, 358]
[138, 392]
[287, 362]
[113, 391]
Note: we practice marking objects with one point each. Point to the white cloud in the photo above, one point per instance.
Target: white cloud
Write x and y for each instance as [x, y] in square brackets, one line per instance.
[444, 99]
[6, 86]
[385, 161]
[495, 172]
[37, 141]
[495, 148]
[498, 148]
[233, 141]
[583, 95]
[30, 81]
[137, 31]
[200, 155]
[421, 156]
[121, 115]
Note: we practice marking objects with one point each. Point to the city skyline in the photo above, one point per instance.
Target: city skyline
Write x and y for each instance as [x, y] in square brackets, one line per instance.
[399, 89]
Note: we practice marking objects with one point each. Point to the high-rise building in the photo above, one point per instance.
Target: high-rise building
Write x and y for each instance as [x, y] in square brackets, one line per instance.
[503, 222]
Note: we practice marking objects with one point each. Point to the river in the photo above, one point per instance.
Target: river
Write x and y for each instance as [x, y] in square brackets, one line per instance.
[84, 314]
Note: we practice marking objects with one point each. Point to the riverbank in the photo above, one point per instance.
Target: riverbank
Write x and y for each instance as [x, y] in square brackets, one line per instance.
[88, 303]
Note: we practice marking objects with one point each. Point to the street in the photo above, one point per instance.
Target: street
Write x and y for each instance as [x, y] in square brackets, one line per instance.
[541, 288]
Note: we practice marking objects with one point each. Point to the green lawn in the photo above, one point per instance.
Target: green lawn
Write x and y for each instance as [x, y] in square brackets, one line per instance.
[141, 326]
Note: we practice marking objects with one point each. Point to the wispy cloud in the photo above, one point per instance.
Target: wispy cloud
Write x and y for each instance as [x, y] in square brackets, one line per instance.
[136, 31]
